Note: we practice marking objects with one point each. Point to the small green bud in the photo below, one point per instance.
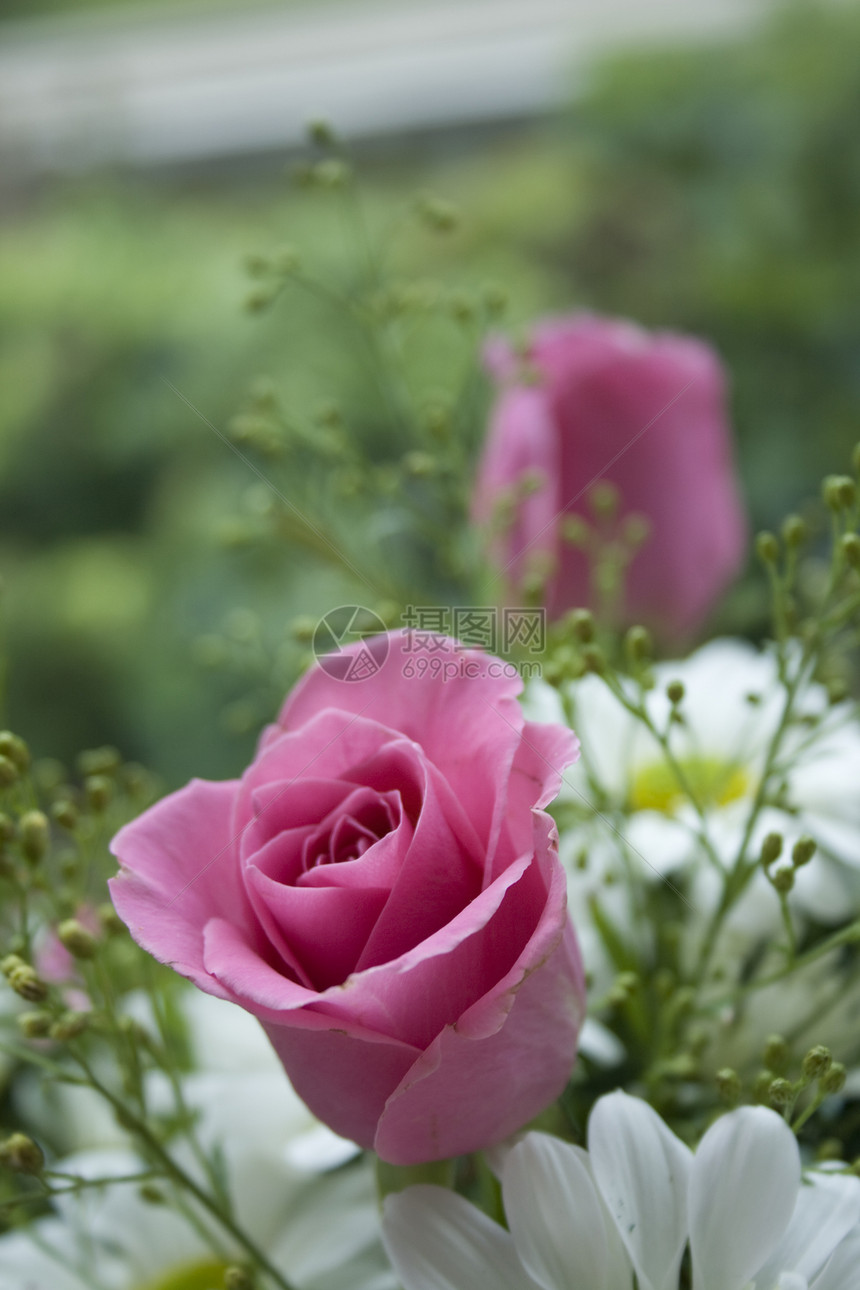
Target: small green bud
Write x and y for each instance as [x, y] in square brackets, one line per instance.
[99, 761]
[99, 791]
[761, 1085]
[803, 851]
[626, 985]
[850, 546]
[80, 942]
[302, 629]
[771, 849]
[636, 530]
[13, 747]
[27, 983]
[152, 1195]
[21, 1154]
[603, 499]
[321, 133]
[256, 265]
[729, 1085]
[776, 1053]
[638, 644]
[439, 215]
[780, 1092]
[594, 659]
[328, 414]
[833, 1080]
[437, 420]
[837, 690]
[69, 1026]
[256, 302]
[817, 1062]
[795, 531]
[675, 692]
[462, 307]
[109, 920]
[419, 464]
[8, 772]
[238, 1278]
[332, 173]
[830, 1149]
[34, 1025]
[65, 813]
[767, 548]
[495, 298]
[681, 1066]
[10, 963]
[783, 879]
[575, 531]
[531, 482]
[839, 492]
[34, 834]
[582, 625]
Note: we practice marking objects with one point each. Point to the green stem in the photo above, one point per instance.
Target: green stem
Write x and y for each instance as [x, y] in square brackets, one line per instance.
[180, 1177]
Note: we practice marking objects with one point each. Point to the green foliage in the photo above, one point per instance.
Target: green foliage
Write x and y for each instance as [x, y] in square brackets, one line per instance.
[711, 191]
[716, 192]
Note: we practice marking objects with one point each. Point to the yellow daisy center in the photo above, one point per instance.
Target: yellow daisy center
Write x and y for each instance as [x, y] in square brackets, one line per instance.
[202, 1274]
[714, 782]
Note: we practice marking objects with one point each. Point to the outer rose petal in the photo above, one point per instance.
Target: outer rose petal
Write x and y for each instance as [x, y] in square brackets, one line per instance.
[489, 1086]
[178, 870]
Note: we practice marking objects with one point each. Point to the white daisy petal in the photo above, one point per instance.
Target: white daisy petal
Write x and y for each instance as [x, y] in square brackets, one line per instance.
[841, 1272]
[599, 1044]
[556, 1216]
[743, 1188]
[438, 1241]
[828, 1207]
[642, 1171]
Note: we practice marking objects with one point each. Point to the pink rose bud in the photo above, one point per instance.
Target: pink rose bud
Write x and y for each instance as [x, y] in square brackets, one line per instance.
[599, 401]
[381, 889]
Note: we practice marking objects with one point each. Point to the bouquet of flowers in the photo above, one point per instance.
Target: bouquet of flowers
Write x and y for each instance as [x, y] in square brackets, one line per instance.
[526, 950]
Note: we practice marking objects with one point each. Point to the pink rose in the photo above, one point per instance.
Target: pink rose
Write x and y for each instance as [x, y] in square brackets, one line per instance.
[381, 889]
[608, 401]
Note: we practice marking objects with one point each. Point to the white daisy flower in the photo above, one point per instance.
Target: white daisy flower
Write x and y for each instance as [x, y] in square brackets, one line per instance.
[322, 1235]
[632, 1205]
[319, 1224]
[627, 807]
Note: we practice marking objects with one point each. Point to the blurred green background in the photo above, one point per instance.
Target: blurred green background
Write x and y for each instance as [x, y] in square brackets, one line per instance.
[715, 191]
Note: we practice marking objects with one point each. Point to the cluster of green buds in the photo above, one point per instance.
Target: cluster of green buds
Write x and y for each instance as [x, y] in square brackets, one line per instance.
[781, 876]
[775, 1085]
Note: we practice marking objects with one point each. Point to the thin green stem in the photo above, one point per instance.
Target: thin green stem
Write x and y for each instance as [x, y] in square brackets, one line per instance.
[178, 1175]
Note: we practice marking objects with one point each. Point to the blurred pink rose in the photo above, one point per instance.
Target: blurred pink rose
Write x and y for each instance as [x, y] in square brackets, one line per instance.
[381, 889]
[605, 400]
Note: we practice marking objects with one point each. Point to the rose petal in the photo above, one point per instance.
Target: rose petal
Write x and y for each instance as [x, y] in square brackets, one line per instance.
[325, 928]
[466, 1092]
[178, 870]
[450, 718]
